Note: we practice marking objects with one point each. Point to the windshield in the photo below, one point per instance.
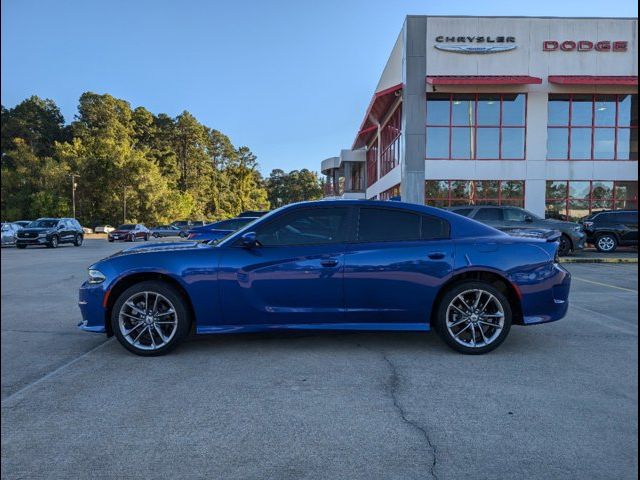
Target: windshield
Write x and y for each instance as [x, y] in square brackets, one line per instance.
[43, 224]
[126, 227]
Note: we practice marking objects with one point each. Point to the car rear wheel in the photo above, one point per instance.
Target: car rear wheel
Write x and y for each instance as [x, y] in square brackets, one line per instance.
[565, 246]
[606, 243]
[78, 240]
[473, 317]
[53, 243]
[150, 318]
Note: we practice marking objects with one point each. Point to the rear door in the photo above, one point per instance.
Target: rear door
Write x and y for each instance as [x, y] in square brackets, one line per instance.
[629, 227]
[395, 266]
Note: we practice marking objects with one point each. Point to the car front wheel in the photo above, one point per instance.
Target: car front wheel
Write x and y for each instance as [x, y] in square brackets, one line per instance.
[473, 317]
[565, 246]
[606, 243]
[53, 243]
[78, 240]
[150, 318]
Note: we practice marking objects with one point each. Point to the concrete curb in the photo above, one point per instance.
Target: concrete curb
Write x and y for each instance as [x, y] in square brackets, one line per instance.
[599, 260]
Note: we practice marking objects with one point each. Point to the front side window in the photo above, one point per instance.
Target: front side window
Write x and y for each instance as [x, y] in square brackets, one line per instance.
[449, 193]
[315, 226]
[516, 215]
[476, 126]
[572, 200]
[592, 127]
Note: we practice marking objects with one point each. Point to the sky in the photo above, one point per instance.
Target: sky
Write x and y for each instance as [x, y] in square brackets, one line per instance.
[289, 79]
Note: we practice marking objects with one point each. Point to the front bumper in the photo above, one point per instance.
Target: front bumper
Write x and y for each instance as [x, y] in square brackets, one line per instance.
[32, 241]
[579, 239]
[90, 298]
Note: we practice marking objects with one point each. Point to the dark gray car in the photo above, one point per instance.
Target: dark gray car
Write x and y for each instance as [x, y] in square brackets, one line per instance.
[168, 231]
[506, 218]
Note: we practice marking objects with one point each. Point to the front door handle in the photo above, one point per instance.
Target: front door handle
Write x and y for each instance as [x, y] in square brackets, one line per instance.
[329, 262]
[436, 255]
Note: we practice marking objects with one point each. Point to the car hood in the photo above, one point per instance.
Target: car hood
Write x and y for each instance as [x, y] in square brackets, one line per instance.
[122, 232]
[163, 247]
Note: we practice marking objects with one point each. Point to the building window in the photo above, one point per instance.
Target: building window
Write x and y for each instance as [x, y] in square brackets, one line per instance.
[476, 126]
[390, 142]
[448, 193]
[572, 200]
[372, 164]
[592, 127]
[390, 193]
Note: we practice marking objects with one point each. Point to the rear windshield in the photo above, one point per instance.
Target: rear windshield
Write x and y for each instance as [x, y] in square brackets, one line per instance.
[43, 223]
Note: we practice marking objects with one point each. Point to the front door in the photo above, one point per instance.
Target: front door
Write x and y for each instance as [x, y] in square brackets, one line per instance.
[396, 266]
[294, 275]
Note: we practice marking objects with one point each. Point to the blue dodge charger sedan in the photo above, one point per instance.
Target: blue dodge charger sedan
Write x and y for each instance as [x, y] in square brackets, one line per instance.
[331, 265]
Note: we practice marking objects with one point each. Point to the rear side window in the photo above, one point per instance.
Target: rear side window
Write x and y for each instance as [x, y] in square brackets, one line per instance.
[314, 226]
[489, 214]
[465, 212]
[386, 225]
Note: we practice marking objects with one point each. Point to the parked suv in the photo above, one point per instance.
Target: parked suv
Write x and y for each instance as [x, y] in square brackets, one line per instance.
[514, 218]
[50, 232]
[609, 229]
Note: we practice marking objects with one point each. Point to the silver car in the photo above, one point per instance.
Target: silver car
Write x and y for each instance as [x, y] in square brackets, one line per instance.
[514, 218]
[9, 231]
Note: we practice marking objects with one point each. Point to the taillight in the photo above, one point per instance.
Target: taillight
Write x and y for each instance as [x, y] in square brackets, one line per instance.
[191, 235]
[587, 224]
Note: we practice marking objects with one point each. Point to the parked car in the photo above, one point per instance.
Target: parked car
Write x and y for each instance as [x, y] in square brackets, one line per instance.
[87, 230]
[104, 229]
[187, 224]
[508, 218]
[9, 231]
[218, 230]
[609, 229]
[253, 213]
[50, 232]
[130, 232]
[331, 265]
[167, 231]
[22, 223]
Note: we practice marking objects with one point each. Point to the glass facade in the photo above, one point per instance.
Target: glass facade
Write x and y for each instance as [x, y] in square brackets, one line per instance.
[592, 127]
[372, 164]
[572, 200]
[390, 142]
[476, 126]
[447, 193]
[390, 192]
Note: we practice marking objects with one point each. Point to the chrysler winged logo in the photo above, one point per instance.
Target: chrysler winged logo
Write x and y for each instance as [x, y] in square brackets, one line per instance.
[476, 44]
[476, 48]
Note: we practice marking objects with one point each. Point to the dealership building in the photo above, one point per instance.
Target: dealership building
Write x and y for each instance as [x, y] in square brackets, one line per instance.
[540, 113]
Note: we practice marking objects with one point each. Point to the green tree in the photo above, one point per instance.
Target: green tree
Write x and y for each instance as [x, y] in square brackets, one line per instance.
[295, 186]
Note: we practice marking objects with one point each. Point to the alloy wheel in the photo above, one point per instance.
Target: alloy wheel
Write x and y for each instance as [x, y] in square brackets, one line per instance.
[148, 320]
[475, 318]
[606, 243]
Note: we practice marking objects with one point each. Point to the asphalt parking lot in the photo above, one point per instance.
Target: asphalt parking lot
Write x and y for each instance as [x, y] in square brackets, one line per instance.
[554, 401]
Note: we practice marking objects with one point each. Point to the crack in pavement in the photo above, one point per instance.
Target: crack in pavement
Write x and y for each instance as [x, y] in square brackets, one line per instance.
[394, 384]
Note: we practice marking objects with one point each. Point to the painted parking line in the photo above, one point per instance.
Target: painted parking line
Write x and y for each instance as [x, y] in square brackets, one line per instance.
[607, 321]
[604, 284]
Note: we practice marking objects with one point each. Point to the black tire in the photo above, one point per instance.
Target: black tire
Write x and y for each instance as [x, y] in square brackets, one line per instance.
[183, 235]
[133, 238]
[565, 246]
[606, 243]
[110, 240]
[155, 235]
[78, 240]
[441, 317]
[21, 246]
[179, 303]
[146, 237]
[53, 243]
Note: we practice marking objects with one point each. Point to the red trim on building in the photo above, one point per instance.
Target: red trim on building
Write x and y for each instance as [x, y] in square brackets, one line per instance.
[379, 105]
[483, 80]
[593, 80]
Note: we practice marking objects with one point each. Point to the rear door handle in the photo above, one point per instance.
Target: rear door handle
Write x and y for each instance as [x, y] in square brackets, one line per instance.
[329, 262]
[436, 255]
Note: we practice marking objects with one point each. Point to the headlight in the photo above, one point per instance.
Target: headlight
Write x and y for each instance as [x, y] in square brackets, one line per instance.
[96, 276]
[577, 228]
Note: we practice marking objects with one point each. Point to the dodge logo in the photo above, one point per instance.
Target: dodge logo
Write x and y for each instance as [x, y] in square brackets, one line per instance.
[584, 46]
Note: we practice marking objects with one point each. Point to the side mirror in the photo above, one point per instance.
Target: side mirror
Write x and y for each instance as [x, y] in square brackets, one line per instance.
[249, 240]
[528, 219]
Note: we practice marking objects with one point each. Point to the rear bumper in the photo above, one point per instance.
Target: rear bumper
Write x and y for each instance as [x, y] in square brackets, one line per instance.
[547, 300]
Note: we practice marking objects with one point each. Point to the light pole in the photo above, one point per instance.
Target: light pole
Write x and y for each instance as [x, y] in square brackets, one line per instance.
[124, 204]
[73, 191]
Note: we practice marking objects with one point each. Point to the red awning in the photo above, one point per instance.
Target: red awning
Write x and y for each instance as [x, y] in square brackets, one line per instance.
[593, 80]
[378, 107]
[483, 80]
